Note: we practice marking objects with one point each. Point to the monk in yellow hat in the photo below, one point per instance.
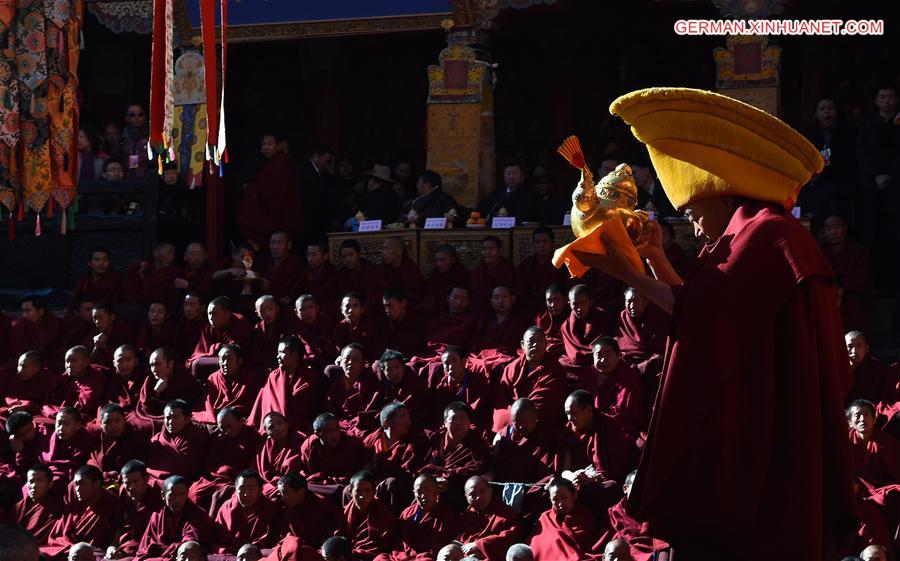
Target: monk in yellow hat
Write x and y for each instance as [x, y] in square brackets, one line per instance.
[746, 453]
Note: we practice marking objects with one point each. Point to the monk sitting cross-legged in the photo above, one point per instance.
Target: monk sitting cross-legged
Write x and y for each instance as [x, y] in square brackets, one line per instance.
[280, 453]
[567, 531]
[247, 517]
[142, 498]
[27, 387]
[397, 453]
[37, 329]
[281, 270]
[180, 447]
[303, 513]
[178, 521]
[405, 326]
[158, 331]
[315, 330]
[638, 542]
[447, 273]
[109, 332]
[554, 316]
[82, 385]
[425, 526]
[399, 383]
[497, 335]
[493, 271]
[353, 391]
[617, 386]
[330, 456]
[359, 326]
[584, 325]
[459, 384]
[453, 327]
[69, 446]
[224, 327]
[488, 527]
[167, 381]
[272, 326]
[233, 385]
[118, 441]
[293, 389]
[642, 332]
[39, 509]
[871, 377]
[124, 386]
[367, 523]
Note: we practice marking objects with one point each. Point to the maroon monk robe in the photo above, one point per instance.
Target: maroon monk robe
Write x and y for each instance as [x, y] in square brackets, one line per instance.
[64, 457]
[263, 353]
[98, 524]
[642, 341]
[472, 390]
[621, 397]
[421, 533]
[353, 406]
[177, 454]
[552, 326]
[877, 461]
[275, 460]
[332, 466]
[272, 202]
[156, 285]
[407, 277]
[72, 330]
[105, 288]
[29, 396]
[852, 266]
[31, 451]
[211, 339]
[148, 413]
[533, 276]
[408, 334]
[624, 527]
[199, 280]
[42, 336]
[297, 396]
[871, 381]
[119, 334]
[399, 459]
[37, 516]
[111, 454]
[607, 292]
[86, 393]
[126, 392]
[579, 334]
[775, 344]
[227, 458]
[527, 459]
[313, 521]
[147, 341]
[483, 280]
[167, 530]
[364, 281]
[872, 528]
[187, 336]
[369, 332]
[221, 392]
[412, 391]
[370, 531]
[458, 461]
[236, 525]
[494, 345]
[604, 446]
[493, 530]
[285, 277]
[324, 285]
[434, 299]
[680, 260]
[571, 537]
[545, 386]
[291, 549]
[443, 331]
[318, 338]
[137, 519]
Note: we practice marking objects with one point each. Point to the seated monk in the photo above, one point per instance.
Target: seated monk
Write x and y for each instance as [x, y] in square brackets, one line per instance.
[233, 385]
[190, 326]
[405, 326]
[453, 327]
[290, 549]
[127, 378]
[280, 454]
[617, 387]
[352, 391]
[876, 454]
[247, 517]
[74, 327]
[159, 331]
[367, 523]
[535, 374]
[330, 456]
[28, 387]
[493, 271]
[26, 440]
[118, 441]
[315, 330]
[536, 272]
[642, 333]
[425, 526]
[81, 551]
[179, 448]
[281, 270]
[37, 329]
[303, 513]
[232, 278]
[142, 499]
[400, 384]
[871, 377]
[459, 384]
[109, 332]
[69, 446]
[39, 509]
[167, 381]
[294, 389]
[358, 274]
[398, 270]
[622, 526]
[497, 335]
[268, 331]
[606, 290]
[196, 273]
[871, 531]
[151, 281]
[224, 327]
[554, 316]
[584, 325]
[82, 385]
[178, 521]
[100, 283]
[447, 273]
[397, 453]
[852, 265]
[566, 531]
[528, 450]
[190, 551]
[488, 527]
[95, 516]
[235, 447]
[457, 452]
[321, 278]
[600, 454]
[360, 327]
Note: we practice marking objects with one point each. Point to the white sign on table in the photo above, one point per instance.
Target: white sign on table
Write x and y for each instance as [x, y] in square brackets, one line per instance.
[503, 222]
[436, 223]
[567, 219]
[796, 212]
[370, 226]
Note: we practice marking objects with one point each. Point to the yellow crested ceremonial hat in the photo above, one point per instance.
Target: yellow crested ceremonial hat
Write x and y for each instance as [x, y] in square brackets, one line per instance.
[705, 144]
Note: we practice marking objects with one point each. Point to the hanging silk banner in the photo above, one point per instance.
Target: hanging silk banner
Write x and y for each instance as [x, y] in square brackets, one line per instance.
[208, 36]
[190, 128]
[162, 83]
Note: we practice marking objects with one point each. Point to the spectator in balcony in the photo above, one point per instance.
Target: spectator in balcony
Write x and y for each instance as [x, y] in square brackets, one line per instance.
[135, 137]
[551, 205]
[431, 202]
[113, 170]
[316, 188]
[90, 157]
[514, 198]
[380, 201]
[111, 142]
[651, 196]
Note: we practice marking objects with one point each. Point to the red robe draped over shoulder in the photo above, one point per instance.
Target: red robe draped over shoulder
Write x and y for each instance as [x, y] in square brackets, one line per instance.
[167, 530]
[98, 524]
[272, 202]
[370, 531]
[483, 280]
[236, 525]
[571, 537]
[294, 395]
[493, 530]
[37, 516]
[421, 533]
[177, 454]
